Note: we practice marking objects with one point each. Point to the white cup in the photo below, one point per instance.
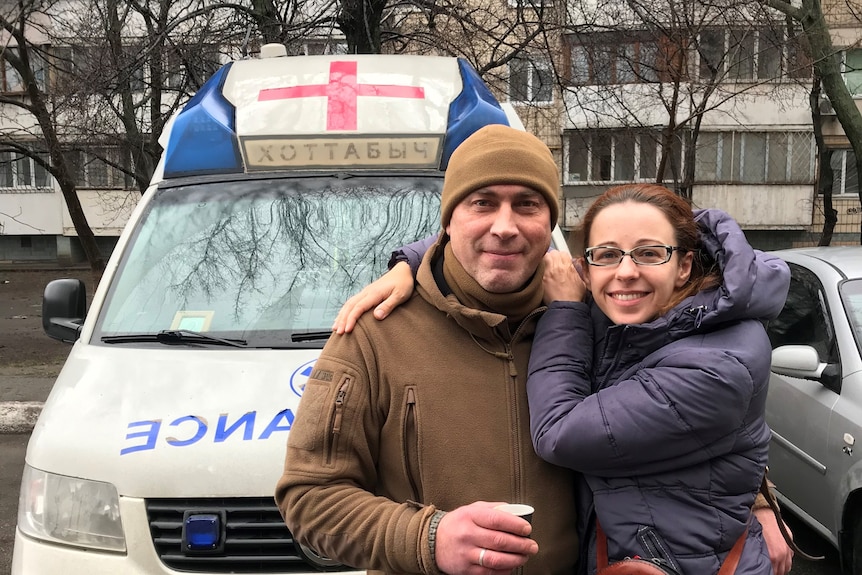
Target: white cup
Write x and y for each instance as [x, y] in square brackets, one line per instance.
[519, 509]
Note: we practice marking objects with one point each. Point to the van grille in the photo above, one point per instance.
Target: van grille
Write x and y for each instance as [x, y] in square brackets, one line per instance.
[256, 538]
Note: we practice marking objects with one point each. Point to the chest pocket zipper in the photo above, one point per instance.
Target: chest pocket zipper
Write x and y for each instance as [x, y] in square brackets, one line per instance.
[411, 444]
[337, 416]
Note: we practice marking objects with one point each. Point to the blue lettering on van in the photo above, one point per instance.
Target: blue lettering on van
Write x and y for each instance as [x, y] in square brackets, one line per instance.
[202, 429]
[300, 376]
[144, 435]
[150, 434]
[246, 420]
[274, 425]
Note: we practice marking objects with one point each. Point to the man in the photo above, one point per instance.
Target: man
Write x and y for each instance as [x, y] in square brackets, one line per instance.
[411, 430]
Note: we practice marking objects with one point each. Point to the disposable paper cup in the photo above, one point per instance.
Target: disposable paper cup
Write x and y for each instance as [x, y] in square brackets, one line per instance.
[518, 509]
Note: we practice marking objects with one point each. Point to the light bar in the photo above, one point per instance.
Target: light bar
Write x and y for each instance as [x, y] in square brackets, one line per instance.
[474, 107]
[203, 137]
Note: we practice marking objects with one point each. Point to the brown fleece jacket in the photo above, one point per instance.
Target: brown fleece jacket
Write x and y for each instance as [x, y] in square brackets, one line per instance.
[426, 410]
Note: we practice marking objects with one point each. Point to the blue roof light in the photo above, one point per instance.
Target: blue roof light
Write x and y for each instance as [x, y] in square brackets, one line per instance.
[474, 107]
[203, 137]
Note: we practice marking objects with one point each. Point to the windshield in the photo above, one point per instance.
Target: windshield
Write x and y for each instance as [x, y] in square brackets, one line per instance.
[265, 261]
[851, 294]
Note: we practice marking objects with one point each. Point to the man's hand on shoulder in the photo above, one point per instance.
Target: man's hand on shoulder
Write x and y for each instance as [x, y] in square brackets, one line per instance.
[465, 532]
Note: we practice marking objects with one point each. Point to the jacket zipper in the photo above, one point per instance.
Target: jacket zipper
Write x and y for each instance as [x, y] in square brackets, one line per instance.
[655, 547]
[411, 449]
[337, 415]
[513, 378]
[509, 358]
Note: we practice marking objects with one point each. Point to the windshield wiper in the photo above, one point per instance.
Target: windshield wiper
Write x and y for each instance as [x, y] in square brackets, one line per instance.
[174, 336]
[310, 336]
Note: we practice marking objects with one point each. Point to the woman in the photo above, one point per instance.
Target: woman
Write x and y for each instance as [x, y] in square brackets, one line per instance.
[649, 376]
[684, 311]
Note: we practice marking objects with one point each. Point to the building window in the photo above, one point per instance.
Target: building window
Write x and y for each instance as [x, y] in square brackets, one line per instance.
[11, 80]
[320, 46]
[86, 67]
[18, 170]
[530, 3]
[323, 47]
[750, 55]
[187, 67]
[853, 70]
[755, 157]
[610, 58]
[100, 168]
[613, 156]
[531, 80]
[845, 180]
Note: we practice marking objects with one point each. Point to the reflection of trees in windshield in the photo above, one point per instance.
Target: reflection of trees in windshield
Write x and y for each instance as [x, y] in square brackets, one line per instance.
[281, 256]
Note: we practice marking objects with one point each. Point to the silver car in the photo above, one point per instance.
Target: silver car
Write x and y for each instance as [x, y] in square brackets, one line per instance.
[815, 396]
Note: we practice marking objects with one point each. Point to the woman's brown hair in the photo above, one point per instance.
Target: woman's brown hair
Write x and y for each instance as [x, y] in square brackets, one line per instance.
[704, 272]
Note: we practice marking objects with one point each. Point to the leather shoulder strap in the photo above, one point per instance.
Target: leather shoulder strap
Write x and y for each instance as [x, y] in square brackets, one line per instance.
[728, 566]
[770, 499]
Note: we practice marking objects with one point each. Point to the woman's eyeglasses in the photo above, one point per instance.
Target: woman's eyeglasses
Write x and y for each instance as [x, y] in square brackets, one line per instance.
[641, 255]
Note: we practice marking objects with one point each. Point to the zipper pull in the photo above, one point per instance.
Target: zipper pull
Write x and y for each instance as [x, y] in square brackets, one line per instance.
[698, 314]
[339, 408]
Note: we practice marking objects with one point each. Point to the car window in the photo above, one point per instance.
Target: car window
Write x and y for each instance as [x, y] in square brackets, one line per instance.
[805, 319]
[851, 295]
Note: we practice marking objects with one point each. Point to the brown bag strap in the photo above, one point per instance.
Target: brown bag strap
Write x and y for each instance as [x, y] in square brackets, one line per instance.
[728, 566]
[601, 547]
[770, 499]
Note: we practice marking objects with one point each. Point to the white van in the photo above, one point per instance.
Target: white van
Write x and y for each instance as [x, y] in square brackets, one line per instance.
[284, 185]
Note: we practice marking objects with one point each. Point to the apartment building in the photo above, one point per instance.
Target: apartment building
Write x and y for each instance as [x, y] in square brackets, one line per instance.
[79, 79]
[718, 105]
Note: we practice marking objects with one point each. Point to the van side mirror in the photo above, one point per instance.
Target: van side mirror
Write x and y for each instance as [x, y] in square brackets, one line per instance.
[64, 307]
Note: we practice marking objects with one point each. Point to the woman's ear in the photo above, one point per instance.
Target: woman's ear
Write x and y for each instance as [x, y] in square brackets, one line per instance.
[684, 269]
[583, 269]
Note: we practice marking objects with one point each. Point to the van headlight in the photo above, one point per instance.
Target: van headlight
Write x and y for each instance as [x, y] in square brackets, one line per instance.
[71, 511]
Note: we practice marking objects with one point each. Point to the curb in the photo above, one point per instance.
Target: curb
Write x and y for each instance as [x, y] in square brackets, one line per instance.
[19, 416]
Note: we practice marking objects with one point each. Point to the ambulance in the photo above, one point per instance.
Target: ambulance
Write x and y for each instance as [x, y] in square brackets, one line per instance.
[284, 186]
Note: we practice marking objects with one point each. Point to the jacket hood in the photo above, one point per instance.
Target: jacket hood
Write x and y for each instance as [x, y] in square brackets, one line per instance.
[754, 284]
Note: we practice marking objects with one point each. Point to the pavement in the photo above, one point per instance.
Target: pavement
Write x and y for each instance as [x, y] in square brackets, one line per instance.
[29, 359]
[21, 401]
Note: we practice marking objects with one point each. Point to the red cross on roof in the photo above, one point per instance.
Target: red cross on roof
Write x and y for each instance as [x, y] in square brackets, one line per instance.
[341, 93]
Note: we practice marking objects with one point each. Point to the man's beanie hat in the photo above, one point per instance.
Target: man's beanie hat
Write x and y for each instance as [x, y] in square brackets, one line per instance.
[498, 154]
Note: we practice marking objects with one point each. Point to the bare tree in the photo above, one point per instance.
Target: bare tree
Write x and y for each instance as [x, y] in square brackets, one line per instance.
[360, 21]
[22, 59]
[101, 81]
[826, 176]
[657, 68]
[809, 14]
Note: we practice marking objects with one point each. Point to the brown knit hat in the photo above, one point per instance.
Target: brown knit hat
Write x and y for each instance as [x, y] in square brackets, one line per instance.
[498, 154]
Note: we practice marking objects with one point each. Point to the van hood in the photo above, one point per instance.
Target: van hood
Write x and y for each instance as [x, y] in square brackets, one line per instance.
[160, 422]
